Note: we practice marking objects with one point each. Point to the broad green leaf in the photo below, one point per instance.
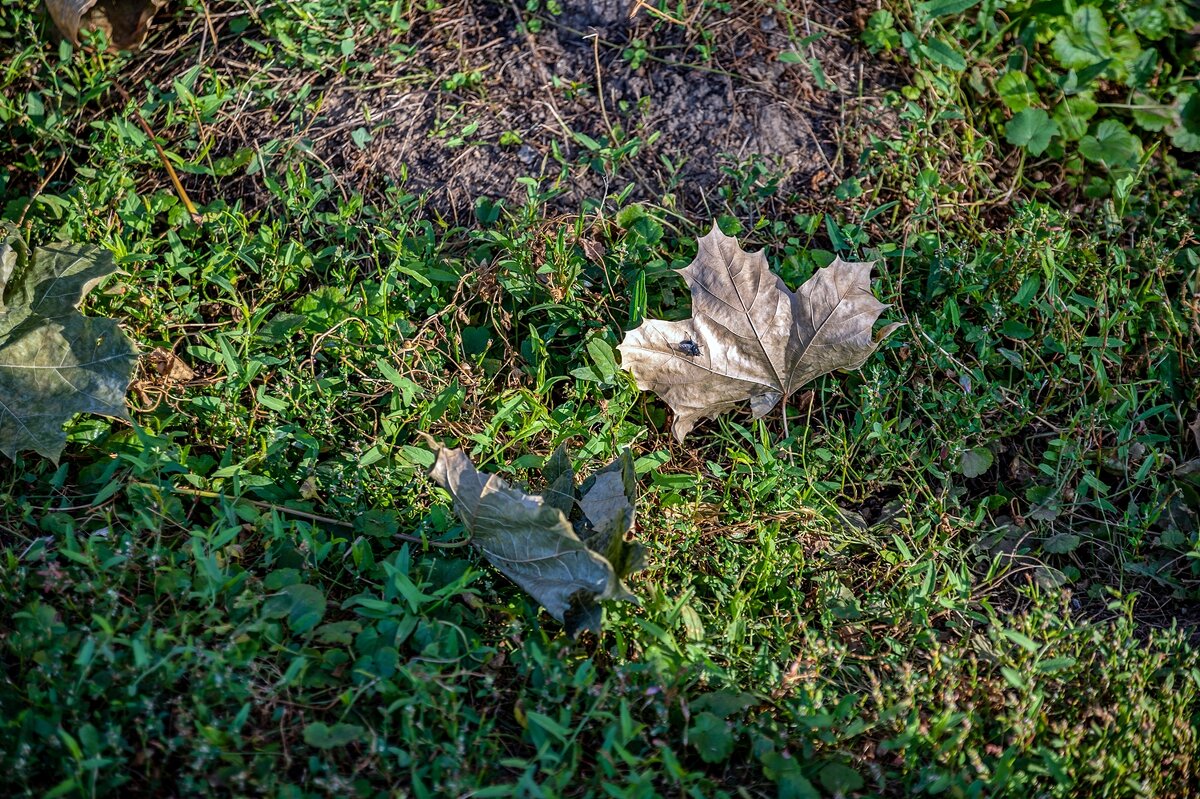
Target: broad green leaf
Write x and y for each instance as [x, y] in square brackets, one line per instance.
[1018, 330]
[330, 736]
[944, 53]
[1112, 145]
[1061, 543]
[1072, 115]
[475, 340]
[1032, 129]
[1187, 136]
[944, 8]
[303, 605]
[974, 462]
[711, 736]
[603, 367]
[603, 357]
[840, 779]
[1152, 116]
[55, 362]
[1085, 41]
[533, 542]
[787, 774]
[1143, 68]
[724, 704]
[1016, 91]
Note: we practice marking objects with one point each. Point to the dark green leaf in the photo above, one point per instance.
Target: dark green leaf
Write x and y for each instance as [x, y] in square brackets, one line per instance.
[1061, 543]
[944, 8]
[1111, 145]
[974, 462]
[303, 605]
[1032, 129]
[330, 736]
[945, 54]
[55, 362]
[1085, 41]
[711, 736]
[1016, 90]
[840, 779]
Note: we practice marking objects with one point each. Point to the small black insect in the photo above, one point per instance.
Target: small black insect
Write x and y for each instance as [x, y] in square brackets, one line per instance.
[689, 347]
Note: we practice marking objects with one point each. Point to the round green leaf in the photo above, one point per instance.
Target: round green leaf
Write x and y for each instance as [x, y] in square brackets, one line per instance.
[303, 605]
[1111, 145]
[711, 736]
[1016, 91]
[1072, 115]
[840, 779]
[1032, 129]
[975, 462]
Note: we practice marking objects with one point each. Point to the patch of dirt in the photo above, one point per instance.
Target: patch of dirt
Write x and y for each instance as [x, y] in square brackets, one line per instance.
[710, 117]
[686, 120]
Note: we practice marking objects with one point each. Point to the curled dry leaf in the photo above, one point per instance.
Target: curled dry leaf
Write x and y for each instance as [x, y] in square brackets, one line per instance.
[55, 362]
[124, 22]
[567, 548]
[750, 338]
[169, 366]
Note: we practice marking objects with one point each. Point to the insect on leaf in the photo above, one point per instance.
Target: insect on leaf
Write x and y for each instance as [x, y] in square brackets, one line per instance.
[55, 362]
[754, 340]
[568, 566]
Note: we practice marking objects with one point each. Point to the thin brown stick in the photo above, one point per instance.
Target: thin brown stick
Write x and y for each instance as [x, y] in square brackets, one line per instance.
[40, 188]
[197, 217]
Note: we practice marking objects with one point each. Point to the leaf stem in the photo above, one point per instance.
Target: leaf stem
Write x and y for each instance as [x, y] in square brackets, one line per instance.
[197, 217]
[783, 411]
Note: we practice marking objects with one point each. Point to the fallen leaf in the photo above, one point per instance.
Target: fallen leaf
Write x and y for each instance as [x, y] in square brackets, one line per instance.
[608, 502]
[125, 22]
[567, 567]
[169, 366]
[750, 338]
[55, 362]
[975, 462]
[1194, 427]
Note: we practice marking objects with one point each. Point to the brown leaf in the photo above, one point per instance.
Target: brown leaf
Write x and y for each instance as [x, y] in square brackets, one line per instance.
[169, 366]
[750, 338]
[125, 22]
[530, 539]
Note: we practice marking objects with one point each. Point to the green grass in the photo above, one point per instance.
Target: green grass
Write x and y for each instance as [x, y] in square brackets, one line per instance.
[212, 599]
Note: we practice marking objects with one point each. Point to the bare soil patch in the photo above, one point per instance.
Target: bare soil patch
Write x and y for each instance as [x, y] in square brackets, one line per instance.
[709, 103]
[755, 105]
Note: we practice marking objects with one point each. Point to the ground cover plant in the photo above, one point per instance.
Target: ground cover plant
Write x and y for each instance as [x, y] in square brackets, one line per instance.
[969, 568]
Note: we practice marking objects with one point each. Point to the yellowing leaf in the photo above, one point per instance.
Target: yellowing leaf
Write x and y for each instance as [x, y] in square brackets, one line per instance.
[750, 338]
[55, 362]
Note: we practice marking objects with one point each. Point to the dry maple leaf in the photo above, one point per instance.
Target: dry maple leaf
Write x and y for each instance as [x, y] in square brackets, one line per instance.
[567, 548]
[125, 22]
[750, 338]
